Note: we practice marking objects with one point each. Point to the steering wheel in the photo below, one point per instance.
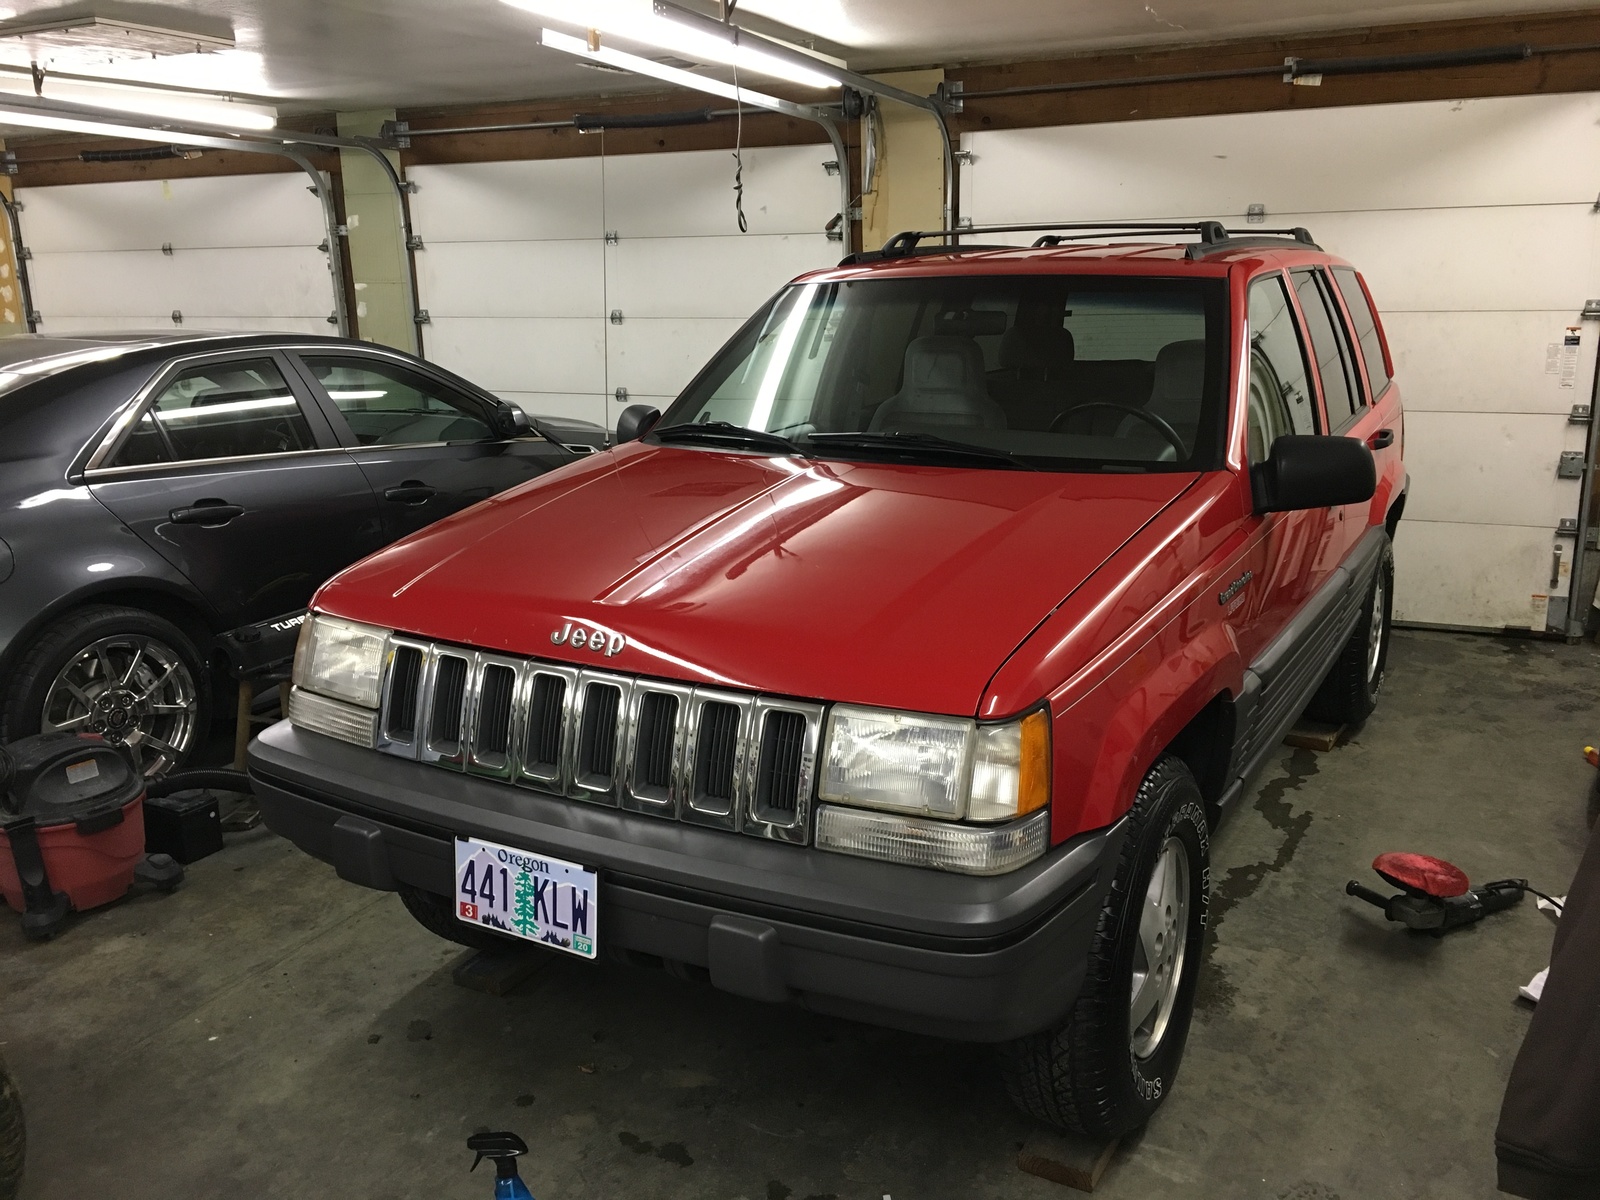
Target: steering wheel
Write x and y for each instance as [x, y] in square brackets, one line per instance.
[1159, 424]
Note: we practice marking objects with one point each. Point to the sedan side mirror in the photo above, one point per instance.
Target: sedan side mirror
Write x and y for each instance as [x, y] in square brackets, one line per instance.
[511, 422]
[636, 421]
[1313, 472]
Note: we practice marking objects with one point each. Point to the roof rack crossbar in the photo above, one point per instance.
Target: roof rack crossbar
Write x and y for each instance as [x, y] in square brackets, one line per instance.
[1209, 233]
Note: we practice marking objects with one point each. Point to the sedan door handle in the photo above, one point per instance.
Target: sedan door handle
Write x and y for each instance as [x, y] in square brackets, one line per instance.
[1381, 440]
[206, 512]
[412, 491]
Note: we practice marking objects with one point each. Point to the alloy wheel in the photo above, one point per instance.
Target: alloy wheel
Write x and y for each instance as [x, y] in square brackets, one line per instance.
[1158, 957]
[1375, 631]
[134, 691]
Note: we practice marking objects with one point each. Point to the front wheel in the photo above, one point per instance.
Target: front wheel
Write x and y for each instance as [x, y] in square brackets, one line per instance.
[1106, 1068]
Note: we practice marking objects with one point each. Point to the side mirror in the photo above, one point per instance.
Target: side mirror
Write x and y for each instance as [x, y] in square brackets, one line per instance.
[511, 422]
[1313, 472]
[636, 421]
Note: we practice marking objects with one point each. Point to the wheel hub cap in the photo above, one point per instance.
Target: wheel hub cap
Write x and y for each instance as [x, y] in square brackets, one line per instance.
[134, 691]
[1159, 955]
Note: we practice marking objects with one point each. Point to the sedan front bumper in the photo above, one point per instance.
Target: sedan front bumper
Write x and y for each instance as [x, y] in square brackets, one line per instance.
[979, 959]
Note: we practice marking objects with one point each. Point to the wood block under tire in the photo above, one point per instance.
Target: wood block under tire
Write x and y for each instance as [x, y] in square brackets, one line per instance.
[1067, 1158]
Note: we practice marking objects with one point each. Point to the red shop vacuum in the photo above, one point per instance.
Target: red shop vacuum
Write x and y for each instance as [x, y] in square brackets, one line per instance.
[1436, 896]
[72, 829]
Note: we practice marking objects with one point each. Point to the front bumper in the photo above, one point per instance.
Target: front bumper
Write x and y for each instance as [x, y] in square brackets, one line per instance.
[979, 959]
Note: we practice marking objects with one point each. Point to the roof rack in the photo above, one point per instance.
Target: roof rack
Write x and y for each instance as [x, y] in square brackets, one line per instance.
[1211, 236]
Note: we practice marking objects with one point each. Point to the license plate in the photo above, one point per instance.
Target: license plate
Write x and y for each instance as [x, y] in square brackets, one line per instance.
[528, 895]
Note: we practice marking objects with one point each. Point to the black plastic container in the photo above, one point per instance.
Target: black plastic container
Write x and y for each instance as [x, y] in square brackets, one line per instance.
[188, 826]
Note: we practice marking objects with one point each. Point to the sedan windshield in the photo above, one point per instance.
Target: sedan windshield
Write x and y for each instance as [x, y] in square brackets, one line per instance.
[1059, 372]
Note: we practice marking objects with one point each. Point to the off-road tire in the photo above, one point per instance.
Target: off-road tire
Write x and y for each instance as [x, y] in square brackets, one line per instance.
[1349, 693]
[433, 912]
[1083, 1075]
[23, 695]
[13, 1136]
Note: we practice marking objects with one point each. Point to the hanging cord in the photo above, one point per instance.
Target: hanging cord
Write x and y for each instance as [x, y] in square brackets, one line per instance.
[738, 144]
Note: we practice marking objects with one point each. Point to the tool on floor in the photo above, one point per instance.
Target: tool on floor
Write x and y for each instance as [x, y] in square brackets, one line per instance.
[72, 829]
[1436, 896]
[502, 1149]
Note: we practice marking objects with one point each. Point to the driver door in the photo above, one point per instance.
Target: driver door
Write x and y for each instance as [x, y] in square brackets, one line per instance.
[427, 449]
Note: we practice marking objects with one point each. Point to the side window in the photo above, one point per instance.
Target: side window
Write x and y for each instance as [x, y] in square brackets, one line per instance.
[219, 410]
[1280, 395]
[387, 405]
[1339, 391]
[1366, 323]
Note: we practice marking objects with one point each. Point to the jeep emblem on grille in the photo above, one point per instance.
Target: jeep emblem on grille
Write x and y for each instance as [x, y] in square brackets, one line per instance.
[579, 637]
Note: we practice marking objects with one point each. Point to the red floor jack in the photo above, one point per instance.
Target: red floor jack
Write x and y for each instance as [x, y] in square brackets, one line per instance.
[1436, 896]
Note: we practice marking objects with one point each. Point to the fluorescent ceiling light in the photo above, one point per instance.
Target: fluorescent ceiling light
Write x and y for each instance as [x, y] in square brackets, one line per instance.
[146, 102]
[646, 66]
[37, 120]
[637, 21]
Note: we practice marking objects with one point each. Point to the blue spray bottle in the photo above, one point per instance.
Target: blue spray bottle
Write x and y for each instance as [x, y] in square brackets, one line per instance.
[502, 1149]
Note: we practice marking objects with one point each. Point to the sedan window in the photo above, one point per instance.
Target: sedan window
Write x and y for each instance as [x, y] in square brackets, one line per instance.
[219, 410]
[387, 405]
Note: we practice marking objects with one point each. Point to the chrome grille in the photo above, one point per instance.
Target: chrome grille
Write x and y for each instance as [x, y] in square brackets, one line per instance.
[705, 755]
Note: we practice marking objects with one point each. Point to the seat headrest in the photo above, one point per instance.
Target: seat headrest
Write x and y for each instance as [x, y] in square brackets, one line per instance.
[943, 374]
[1180, 371]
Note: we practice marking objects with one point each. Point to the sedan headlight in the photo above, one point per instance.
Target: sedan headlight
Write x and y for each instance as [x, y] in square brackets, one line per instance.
[952, 768]
[338, 671]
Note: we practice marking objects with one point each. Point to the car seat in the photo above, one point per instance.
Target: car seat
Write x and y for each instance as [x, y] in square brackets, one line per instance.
[942, 386]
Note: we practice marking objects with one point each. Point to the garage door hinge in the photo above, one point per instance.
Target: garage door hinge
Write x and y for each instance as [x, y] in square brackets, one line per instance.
[18, 206]
[421, 317]
[612, 237]
[27, 254]
[333, 318]
[831, 166]
[408, 186]
[414, 243]
[621, 395]
[963, 158]
[177, 317]
[166, 248]
[616, 316]
[1570, 465]
[8, 164]
[1591, 310]
[1579, 415]
[323, 245]
[36, 317]
[1567, 526]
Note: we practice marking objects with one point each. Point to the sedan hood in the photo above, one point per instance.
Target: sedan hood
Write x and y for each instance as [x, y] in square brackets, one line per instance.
[873, 583]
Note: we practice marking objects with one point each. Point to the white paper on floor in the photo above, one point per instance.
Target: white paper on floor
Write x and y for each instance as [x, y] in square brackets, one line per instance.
[1534, 988]
[1546, 906]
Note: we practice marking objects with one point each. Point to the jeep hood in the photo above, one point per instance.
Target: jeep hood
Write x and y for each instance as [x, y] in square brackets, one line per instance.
[873, 583]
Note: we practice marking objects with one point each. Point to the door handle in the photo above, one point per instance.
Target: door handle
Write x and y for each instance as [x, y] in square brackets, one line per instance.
[412, 491]
[206, 512]
[1381, 440]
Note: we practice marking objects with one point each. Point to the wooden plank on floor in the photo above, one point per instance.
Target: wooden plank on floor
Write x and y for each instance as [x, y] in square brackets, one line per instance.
[499, 972]
[1314, 735]
[1066, 1158]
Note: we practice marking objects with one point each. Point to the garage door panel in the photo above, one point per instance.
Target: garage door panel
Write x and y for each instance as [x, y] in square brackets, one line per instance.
[533, 354]
[1483, 361]
[663, 277]
[688, 194]
[239, 282]
[558, 404]
[1482, 576]
[1459, 463]
[659, 357]
[1440, 154]
[253, 210]
[513, 279]
[555, 198]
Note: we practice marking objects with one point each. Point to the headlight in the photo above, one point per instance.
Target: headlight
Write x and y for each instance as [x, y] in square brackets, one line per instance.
[951, 768]
[340, 659]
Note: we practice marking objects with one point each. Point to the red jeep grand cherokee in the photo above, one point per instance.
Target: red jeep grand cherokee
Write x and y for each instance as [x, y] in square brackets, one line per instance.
[901, 668]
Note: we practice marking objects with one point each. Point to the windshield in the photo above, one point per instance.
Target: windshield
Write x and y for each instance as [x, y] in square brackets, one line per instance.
[1060, 372]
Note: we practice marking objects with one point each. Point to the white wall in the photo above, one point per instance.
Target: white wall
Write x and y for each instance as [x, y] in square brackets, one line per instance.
[519, 282]
[1473, 223]
[244, 254]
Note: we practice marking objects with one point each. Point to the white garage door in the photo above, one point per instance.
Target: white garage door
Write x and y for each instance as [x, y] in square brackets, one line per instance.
[243, 254]
[1473, 224]
[524, 292]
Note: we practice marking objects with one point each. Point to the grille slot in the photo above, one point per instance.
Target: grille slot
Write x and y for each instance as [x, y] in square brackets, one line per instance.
[781, 766]
[541, 756]
[405, 685]
[716, 758]
[655, 746]
[449, 697]
[597, 737]
[492, 739]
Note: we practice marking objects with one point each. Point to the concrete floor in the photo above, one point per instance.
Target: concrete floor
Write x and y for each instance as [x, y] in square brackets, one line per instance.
[273, 1032]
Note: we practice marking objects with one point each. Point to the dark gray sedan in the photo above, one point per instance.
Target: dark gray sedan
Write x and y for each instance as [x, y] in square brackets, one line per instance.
[159, 492]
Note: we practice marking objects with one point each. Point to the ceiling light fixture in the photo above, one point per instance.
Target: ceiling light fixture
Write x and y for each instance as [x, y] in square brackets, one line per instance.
[646, 66]
[146, 101]
[641, 21]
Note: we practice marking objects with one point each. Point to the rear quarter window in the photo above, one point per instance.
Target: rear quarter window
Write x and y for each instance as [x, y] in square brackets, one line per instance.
[1366, 329]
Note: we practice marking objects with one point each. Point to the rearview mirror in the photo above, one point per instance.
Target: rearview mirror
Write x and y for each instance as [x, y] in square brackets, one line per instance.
[1313, 472]
[636, 421]
[511, 422]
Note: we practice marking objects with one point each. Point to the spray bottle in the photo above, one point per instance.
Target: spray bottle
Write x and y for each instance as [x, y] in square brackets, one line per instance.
[502, 1149]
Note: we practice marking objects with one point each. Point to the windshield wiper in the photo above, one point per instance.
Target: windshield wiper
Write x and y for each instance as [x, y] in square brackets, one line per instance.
[918, 444]
[726, 433]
